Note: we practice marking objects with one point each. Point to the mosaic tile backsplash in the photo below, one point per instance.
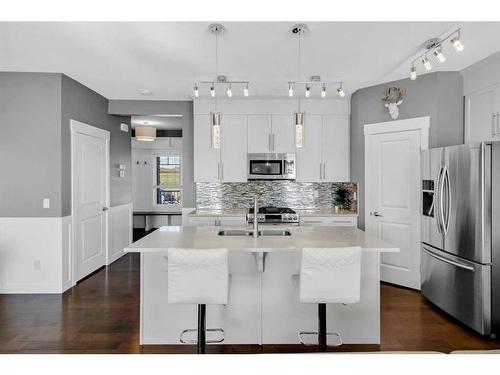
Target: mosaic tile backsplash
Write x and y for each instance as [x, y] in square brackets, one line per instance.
[299, 195]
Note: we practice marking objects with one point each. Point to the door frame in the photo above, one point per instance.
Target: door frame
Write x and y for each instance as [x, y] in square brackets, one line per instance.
[78, 127]
[417, 123]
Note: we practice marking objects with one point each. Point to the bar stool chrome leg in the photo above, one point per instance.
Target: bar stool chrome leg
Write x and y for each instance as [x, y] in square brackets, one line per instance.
[201, 328]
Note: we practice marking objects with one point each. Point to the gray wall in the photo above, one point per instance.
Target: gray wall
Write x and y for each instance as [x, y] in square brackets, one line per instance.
[35, 145]
[30, 144]
[437, 95]
[162, 107]
[82, 104]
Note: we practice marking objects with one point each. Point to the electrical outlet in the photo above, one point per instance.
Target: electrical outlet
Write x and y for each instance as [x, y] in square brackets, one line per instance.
[37, 265]
[46, 203]
[315, 194]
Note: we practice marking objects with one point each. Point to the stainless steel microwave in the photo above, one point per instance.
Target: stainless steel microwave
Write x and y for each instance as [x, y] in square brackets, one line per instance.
[271, 167]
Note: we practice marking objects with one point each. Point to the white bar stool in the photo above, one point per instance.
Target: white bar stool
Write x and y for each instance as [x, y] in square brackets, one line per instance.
[329, 275]
[198, 276]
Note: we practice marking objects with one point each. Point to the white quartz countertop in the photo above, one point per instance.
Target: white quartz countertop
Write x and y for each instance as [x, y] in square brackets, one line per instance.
[200, 237]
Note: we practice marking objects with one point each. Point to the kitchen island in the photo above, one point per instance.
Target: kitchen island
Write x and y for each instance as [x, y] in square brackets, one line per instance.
[264, 306]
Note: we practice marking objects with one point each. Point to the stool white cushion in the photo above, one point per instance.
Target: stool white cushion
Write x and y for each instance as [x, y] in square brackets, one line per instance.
[199, 276]
[330, 275]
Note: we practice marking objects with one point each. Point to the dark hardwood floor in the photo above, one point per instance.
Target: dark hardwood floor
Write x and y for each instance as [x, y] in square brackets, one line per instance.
[101, 315]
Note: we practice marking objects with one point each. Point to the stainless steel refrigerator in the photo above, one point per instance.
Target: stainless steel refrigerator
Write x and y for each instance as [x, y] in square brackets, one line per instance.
[460, 262]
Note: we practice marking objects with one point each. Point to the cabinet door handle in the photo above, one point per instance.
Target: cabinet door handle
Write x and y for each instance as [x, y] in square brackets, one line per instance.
[496, 127]
[324, 171]
[218, 171]
[221, 171]
[274, 142]
[493, 124]
[269, 142]
[320, 171]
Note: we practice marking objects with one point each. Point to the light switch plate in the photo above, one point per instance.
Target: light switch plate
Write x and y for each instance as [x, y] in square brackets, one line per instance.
[46, 203]
[124, 127]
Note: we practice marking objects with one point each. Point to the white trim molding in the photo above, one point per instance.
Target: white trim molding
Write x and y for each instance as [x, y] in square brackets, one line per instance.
[38, 262]
[119, 231]
[416, 123]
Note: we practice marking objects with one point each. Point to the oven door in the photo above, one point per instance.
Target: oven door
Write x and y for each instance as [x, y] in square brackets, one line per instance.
[458, 286]
[265, 169]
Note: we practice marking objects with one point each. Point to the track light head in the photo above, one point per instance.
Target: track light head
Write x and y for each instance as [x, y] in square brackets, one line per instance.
[245, 90]
[427, 63]
[212, 91]
[229, 92]
[196, 91]
[290, 90]
[308, 91]
[438, 52]
[457, 44]
[413, 73]
[323, 91]
[340, 91]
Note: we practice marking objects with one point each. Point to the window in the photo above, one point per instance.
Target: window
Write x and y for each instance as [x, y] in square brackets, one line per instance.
[168, 180]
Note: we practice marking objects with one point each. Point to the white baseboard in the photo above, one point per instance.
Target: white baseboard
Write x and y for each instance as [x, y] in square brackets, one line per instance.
[119, 231]
[32, 252]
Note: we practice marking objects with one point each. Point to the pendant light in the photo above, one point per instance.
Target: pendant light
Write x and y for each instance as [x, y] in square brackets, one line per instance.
[145, 133]
[299, 116]
[215, 116]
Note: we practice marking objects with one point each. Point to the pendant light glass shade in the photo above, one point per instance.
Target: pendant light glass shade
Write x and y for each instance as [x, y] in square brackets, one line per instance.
[145, 133]
[299, 129]
[216, 130]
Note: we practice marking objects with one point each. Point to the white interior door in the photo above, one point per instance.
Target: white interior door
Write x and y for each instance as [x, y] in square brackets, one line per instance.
[393, 201]
[90, 168]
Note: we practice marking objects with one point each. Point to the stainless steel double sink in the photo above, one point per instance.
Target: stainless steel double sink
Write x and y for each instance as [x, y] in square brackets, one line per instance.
[249, 232]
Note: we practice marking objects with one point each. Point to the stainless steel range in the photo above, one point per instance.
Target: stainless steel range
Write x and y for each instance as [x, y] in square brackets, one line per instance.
[273, 215]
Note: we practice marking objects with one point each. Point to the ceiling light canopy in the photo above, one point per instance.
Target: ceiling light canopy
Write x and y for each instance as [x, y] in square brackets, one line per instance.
[435, 45]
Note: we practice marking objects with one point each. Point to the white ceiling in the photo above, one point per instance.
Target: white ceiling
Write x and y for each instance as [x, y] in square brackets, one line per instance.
[119, 59]
[159, 122]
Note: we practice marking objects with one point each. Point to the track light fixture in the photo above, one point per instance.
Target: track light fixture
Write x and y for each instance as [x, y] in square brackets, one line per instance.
[315, 81]
[290, 89]
[323, 91]
[216, 29]
[435, 45]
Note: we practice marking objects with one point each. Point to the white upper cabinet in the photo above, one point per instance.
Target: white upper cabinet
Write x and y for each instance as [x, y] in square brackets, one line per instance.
[227, 164]
[259, 134]
[282, 134]
[336, 148]
[482, 111]
[206, 158]
[325, 155]
[233, 167]
[309, 161]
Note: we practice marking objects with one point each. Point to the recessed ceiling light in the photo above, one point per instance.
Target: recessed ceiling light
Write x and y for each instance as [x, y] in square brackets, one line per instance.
[145, 92]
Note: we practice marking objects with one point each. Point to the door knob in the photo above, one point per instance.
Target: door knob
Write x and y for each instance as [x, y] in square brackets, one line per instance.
[375, 213]
[105, 208]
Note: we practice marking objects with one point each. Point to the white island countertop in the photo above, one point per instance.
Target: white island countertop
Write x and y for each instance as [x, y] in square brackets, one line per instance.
[203, 237]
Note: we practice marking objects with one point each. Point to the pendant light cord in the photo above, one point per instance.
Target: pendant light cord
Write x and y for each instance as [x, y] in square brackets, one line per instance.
[298, 68]
[216, 64]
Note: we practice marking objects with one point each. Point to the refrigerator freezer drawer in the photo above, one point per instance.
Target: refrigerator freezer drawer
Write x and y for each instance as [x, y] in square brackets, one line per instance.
[459, 287]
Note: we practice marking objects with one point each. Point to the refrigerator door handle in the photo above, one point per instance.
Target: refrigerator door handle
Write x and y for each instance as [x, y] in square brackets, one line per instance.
[448, 198]
[437, 198]
[449, 261]
[441, 201]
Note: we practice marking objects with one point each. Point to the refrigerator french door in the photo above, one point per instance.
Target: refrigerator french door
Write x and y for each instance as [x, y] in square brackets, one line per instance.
[459, 257]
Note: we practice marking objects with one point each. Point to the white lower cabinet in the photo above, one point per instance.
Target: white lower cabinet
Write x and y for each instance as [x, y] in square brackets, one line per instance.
[336, 221]
[233, 221]
[201, 221]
